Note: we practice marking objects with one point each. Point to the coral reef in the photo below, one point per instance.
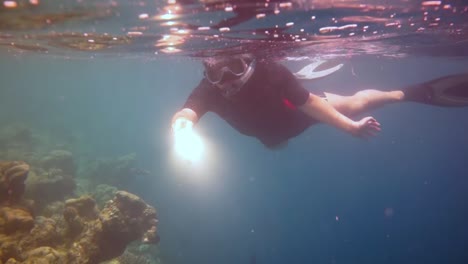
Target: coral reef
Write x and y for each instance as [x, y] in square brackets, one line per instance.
[124, 219]
[138, 252]
[71, 232]
[131, 217]
[59, 159]
[103, 193]
[37, 224]
[115, 171]
[14, 219]
[131, 258]
[48, 186]
[12, 177]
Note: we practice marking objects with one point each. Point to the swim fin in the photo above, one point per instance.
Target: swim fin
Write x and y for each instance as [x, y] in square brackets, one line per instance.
[309, 72]
[446, 91]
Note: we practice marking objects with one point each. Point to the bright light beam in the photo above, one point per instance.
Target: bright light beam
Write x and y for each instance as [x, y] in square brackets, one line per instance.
[188, 145]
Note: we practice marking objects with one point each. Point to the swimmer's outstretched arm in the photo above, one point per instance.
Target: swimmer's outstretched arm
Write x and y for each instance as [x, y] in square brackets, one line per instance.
[183, 118]
[322, 111]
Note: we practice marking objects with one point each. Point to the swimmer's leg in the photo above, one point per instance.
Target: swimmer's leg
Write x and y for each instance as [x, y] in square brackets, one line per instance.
[363, 101]
[446, 91]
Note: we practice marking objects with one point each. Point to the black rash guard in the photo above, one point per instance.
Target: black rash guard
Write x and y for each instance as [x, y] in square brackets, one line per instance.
[265, 108]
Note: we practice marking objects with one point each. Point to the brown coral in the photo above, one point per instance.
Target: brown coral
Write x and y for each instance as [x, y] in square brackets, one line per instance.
[14, 220]
[49, 186]
[59, 159]
[77, 212]
[101, 237]
[75, 231]
[124, 219]
[12, 177]
[85, 207]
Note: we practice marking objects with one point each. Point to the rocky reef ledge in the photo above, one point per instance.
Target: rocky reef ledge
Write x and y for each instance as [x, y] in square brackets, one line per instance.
[74, 231]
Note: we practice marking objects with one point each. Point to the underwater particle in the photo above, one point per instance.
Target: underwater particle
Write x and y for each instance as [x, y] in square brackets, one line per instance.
[260, 15]
[167, 16]
[34, 2]
[290, 24]
[10, 4]
[170, 50]
[228, 9]
[431, 3]
[388, 212]
[327, 29]
[337, 218]
[224, 29]
[134, 33]
[143, 16]
[349, 26]
[168, 23]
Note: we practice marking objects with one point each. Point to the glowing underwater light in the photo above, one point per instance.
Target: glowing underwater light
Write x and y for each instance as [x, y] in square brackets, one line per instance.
[188, 145]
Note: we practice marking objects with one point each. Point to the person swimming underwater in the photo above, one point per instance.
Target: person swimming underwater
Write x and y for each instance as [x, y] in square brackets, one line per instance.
[263, 99]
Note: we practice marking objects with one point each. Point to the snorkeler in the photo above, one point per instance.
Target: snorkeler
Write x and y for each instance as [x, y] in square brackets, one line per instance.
[263, 99]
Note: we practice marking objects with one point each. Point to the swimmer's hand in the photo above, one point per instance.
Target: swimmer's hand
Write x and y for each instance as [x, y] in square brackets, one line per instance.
[366, 127]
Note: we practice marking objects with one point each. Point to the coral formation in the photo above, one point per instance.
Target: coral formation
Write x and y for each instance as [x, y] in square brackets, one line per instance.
[37, 224]
[45, 187]
[115, 171]
[12, 177]
[71, 232]
[131, 258]
[123, 219]
[14, 219]
[103, 193]
[138, 253]
[59, 159]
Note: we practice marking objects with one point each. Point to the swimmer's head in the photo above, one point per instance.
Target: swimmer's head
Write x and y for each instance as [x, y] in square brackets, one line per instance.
[229, 73]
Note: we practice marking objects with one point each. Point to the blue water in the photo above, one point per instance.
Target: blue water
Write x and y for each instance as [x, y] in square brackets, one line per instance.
[278, 206]
[327, 198]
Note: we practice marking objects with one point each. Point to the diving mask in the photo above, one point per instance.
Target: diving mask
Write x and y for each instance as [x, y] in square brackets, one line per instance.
[229, 75]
